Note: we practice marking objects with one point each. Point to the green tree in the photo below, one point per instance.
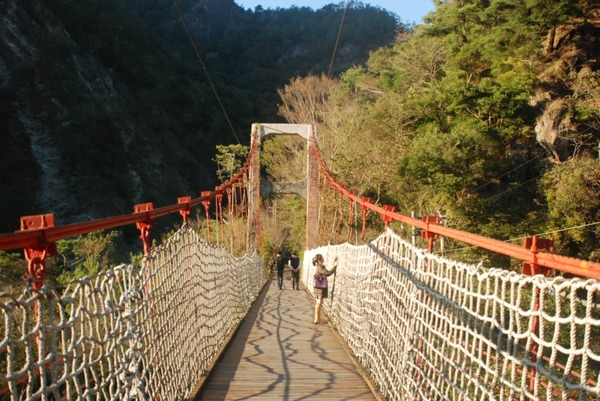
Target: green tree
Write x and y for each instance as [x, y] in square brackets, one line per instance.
[571, 192]
[13, 270]
[86, 255]
[549, 15]
[229, 160]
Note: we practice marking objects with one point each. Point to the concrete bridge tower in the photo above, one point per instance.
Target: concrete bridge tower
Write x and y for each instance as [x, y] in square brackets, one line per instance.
[308, 188]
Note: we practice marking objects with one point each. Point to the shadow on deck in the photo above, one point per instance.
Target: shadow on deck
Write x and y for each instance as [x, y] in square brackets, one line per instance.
[278, 353]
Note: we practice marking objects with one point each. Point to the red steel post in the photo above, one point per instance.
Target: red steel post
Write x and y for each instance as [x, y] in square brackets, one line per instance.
[219, 211]
[206, 204]
[363, 204]
[536, 244]
[350, 213]
[230, 214]
[428, 234]
[385, 216]
[36, 255]
[185, 212]
[144, 226]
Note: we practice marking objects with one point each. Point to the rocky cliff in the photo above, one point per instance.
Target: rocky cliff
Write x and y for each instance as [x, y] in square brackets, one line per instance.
[104, 104]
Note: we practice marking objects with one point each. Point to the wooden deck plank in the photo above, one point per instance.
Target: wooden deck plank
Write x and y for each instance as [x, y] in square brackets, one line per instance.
[279, 354]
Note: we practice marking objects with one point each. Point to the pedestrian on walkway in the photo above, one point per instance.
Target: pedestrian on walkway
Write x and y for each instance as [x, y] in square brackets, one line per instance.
[295, 266]
[280, 262]
[321, 293]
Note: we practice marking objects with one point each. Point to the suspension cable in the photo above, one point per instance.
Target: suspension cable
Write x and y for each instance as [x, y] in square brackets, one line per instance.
[212, 85]
[498, 196]
[518, 167]
[521, 238]
[337, 41]
[508, 172]
[558, 231]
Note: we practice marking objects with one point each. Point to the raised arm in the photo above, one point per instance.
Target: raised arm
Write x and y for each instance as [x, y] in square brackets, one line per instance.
[330, 272]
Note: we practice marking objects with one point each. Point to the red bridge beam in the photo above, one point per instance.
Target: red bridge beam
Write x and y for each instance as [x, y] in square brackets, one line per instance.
[578, 267]
[36, 237]
[566, 264]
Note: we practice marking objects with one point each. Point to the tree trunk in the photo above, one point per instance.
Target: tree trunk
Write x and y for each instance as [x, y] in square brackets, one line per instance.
[551, 39]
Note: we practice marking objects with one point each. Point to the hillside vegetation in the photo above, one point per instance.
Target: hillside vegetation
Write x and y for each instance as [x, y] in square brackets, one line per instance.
[105, 103]
[487, 114]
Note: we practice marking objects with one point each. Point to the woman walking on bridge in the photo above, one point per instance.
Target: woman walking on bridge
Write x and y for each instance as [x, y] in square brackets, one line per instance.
[321, 293]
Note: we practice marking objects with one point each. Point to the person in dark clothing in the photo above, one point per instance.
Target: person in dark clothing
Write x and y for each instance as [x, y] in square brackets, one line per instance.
[280, 262]
[295, 266]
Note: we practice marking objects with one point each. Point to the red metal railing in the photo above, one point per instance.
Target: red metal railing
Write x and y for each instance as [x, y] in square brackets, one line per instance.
[38, 234]
[531, 256]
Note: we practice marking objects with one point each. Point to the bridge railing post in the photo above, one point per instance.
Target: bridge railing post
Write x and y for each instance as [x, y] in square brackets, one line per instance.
[428, 234]
[206, 204]
[185, 212]
[144, 226]
[36, 257]
[364, 200]
[387, 219]
[535, 244]
[219, 211]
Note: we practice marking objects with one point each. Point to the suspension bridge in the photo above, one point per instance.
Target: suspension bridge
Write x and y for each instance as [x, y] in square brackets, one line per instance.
[198, 318]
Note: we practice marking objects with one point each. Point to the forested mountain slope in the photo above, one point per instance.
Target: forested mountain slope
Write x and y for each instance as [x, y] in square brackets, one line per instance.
[488, 114]
[104, 103]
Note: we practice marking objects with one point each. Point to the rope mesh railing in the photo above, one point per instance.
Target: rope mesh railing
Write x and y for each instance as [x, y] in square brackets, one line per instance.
[425, 327]
[130, 333]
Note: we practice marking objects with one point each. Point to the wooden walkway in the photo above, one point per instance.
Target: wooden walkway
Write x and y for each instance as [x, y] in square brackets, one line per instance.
[279, 354]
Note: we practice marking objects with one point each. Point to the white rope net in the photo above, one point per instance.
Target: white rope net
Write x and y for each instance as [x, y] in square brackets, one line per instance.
[429, 328]
[130, 333]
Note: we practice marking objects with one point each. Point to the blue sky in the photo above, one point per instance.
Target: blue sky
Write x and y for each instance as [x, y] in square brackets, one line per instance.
[408, 10]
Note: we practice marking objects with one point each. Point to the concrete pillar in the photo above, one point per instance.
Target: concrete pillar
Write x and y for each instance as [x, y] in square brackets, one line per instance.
[253, 190]
[312, 191]
[308, 188]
